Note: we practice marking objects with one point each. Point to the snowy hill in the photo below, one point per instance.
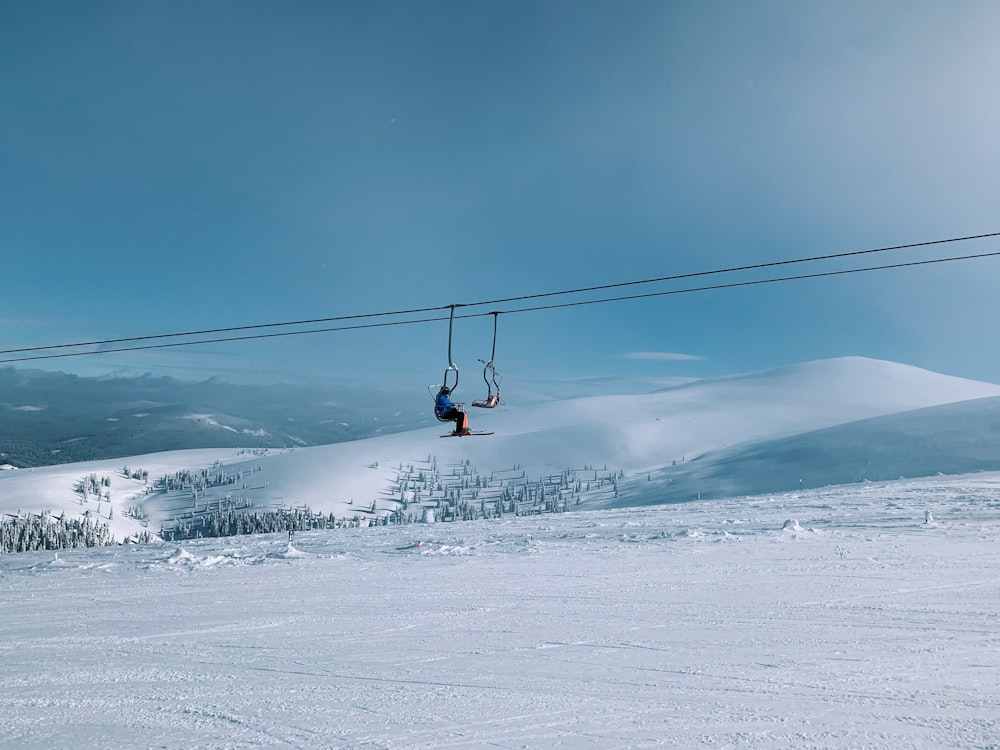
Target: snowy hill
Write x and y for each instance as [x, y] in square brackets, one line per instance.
[950, 439]
[588, 452]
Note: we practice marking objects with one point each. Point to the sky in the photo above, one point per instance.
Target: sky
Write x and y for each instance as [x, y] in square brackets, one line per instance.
[169, 167]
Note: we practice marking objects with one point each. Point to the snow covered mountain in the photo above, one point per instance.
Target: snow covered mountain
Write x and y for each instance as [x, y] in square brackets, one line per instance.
[825, 422]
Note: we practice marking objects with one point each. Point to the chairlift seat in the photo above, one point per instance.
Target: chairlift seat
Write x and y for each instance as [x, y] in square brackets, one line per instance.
[491, 401]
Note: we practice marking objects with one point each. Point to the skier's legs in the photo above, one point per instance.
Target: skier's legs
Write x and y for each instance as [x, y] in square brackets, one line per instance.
[460, 417]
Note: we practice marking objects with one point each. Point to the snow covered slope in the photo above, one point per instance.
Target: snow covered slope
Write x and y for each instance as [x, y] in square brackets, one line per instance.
[593, 443]
[851, 617]
[948, 439]
[640, 433]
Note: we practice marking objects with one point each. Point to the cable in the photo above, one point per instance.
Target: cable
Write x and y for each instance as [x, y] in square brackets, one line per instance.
[538, 308]
[756, 282]
[226, 339]
[523, 298]
[756, 266]
[220, 330]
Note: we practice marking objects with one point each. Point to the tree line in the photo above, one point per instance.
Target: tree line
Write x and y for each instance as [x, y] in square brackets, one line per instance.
[43, 531]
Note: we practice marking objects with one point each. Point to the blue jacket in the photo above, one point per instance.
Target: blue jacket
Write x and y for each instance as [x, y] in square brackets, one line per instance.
[443, 405]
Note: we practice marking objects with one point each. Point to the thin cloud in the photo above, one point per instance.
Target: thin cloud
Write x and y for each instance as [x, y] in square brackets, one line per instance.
[659, 356]
[23, 320]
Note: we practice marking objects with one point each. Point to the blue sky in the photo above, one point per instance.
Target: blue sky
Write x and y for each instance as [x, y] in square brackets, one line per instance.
[168, 166]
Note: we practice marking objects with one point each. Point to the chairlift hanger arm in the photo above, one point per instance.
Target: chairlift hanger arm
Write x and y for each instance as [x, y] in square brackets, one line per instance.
[444, 380]
[493, 353]
[451, 328]
[490, 373]
[452, 367]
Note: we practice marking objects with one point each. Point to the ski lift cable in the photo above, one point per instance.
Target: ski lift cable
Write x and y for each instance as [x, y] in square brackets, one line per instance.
[226, 339]
[232, 329]
[451, 318]
[736, 269]
[506, 300]
[756, 282]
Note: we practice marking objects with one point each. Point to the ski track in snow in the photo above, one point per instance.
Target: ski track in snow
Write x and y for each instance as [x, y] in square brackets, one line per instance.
[835, 618]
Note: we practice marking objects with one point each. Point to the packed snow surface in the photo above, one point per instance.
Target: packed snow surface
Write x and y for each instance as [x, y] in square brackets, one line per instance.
[863, 616]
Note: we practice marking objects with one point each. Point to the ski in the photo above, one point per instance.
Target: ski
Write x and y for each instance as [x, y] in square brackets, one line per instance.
[466, 434]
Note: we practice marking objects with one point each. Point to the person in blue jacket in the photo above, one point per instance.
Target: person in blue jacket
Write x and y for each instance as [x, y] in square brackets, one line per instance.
[446, 411]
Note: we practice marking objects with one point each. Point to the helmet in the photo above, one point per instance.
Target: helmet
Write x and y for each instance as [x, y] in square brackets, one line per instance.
[445, 390]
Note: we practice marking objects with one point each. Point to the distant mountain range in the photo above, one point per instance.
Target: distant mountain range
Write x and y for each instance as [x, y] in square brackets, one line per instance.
[51, 418]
